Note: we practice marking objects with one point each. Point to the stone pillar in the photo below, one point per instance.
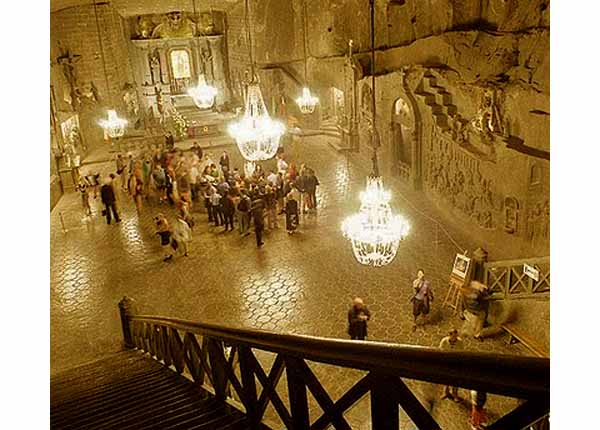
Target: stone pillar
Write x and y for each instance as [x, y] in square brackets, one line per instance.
[126, 307]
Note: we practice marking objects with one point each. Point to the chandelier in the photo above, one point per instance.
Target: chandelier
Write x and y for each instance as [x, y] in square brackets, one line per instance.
[374, 231]
[203, 94]
[306, 102]
[256, 134]
[114, 126]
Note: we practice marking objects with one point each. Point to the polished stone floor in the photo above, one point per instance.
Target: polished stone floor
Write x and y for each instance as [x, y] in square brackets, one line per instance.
[295, 284]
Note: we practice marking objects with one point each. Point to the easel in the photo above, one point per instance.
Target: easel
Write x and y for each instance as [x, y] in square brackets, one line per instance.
[456, 285]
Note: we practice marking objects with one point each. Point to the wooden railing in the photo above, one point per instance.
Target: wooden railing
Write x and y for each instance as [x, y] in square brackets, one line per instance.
[506, 280]
[214, 356]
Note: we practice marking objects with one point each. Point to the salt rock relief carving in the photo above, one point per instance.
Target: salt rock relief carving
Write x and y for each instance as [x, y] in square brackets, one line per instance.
[175, 24]
[538, 223]
[454, 176]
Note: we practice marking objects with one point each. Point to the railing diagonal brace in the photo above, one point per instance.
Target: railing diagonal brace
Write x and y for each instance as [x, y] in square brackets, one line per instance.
[523, 416]
[269, 392]
[413, 407]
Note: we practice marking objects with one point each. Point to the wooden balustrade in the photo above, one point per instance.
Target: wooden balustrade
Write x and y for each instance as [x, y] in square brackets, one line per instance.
[505, 279]
[215, 355]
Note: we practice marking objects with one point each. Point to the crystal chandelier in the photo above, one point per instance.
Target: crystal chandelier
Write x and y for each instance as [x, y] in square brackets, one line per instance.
[114, 126]
[203, 94]
[374, 231]
[306, 102]
[256, 134]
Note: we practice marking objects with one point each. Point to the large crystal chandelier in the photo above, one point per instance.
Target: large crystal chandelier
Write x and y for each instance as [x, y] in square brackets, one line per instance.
[306, 102]
[375, 232]
[203, 94]
[114, 126]
[256, 134]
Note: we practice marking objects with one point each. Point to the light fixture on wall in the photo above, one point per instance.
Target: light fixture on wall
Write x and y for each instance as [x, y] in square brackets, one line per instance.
[375, 232]
[256, 134]
[202, 94]
[306, 102]
[114, 127]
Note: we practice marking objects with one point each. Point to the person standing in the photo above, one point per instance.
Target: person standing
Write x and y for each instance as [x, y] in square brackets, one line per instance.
[244, 207]
[215, 203]
[107, 195]
[258, 217]
[271, 205]
[82, 187]
[291, 209]
[478, 415]
[310, 184]
[121, 166]
[182, 235]
[358, 315]
[164, 232]
[136, 188]
[451, 343]
[228, 209]
[224, 162]
[169, 141]
[422, 298]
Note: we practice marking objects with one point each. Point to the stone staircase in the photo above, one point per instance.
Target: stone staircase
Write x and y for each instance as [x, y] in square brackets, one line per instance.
[129, 390]
[438, 99]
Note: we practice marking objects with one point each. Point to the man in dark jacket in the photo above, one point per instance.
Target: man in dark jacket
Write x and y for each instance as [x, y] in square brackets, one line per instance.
[358, 315]
[107, 195]
[258, 208]
[310, 185]
[228, 210]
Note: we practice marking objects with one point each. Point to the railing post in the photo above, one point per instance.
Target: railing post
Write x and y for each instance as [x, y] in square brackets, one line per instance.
[249, 383]
[126, 309]
[297, 393]
[384, 404]
[217, 367]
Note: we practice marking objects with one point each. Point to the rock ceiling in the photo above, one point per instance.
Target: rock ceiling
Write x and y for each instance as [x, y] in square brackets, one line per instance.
[140, 7]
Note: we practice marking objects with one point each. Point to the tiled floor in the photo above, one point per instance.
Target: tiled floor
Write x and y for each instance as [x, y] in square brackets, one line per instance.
[301, 284]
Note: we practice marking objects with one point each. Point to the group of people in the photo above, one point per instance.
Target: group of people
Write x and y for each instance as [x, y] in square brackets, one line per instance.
[250, 198]
[422, 296]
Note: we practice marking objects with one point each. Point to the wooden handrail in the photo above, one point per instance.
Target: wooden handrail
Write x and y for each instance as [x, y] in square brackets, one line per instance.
[514, 376]
[518, 262]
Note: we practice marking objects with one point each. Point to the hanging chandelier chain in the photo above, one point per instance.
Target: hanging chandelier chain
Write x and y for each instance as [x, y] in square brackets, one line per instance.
[375, 140]
[249, 35]
[304, 31]
[101, 49]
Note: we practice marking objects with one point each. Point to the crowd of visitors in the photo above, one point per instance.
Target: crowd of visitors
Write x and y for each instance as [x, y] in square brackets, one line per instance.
[191, 182]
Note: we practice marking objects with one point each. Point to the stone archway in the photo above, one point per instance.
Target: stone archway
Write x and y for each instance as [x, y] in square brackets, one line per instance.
[406, 140]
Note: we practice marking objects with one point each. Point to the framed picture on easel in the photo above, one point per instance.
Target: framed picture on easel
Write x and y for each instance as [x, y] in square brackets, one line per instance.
[461, 266]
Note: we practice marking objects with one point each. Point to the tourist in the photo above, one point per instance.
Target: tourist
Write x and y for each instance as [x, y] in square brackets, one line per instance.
[258, 217]
[183, 186]
[451, 343]
[475, 307]
[224, 161]
[271, 205]
[135, 187]
[282, 166]
[478, 415]
[128, 170]
[182, 235]
[423, 296]
[358, 315]
[107, 196]
[160, 181]
[194, 181]
[197, 150]
[169, 141]
[301, 182]
[93, 180]
[215, 203]
[244, 207]
[310, 184]
[82, 188]
[146, 174]
[164, 232]
[228, 210]
[121, 165]
[291, 210]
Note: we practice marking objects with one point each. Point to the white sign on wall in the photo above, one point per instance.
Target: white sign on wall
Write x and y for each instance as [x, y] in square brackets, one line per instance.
[531, 271]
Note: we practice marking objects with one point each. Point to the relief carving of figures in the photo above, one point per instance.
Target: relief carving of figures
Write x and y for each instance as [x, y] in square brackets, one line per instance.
[132, 107]
[511, 215]
[488, 119]
[86, 95]
[174, 26]
[207, 26]
[144, 27]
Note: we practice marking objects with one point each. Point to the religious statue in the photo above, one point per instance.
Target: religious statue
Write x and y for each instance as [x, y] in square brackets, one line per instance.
[207, 24]
[144, 27]
[175, 26]
[511, 215]
[68, 60]
[207, 66]
[132, 107]
[87, 94]
[155, 68]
